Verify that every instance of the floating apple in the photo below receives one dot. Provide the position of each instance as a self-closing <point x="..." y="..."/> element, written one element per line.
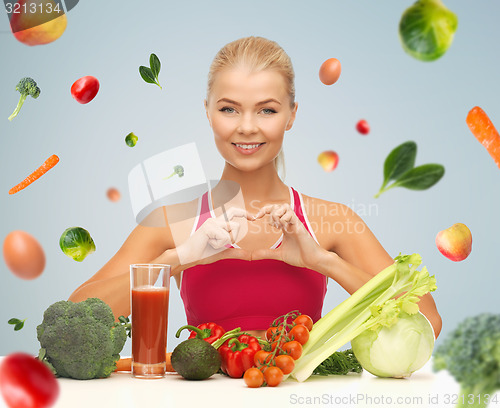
<point x="38" y="22"/>
<point x="328" y="160"/>
<point x="455" y="242"/>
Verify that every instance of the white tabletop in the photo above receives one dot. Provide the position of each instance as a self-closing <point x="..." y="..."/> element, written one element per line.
<point x="423" y="389"/>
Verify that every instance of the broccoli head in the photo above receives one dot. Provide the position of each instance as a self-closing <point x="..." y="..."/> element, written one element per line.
<point x="178" y="169"/>
<point x="81" y="340"/>
<point x="26" y="86"/>
<point x="471" y="354"/>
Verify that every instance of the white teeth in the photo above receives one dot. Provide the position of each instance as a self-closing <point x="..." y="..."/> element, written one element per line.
<point x="248" y="147"/>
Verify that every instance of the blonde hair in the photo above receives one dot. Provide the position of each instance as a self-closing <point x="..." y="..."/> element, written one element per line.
<point x="256" y="54"/>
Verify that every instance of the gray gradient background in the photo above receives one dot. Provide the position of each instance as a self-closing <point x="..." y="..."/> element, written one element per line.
<point x="402" y="99"/>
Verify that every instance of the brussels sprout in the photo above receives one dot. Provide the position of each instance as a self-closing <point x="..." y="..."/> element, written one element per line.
<point x="77" y="243"/>
<point x="131" y="139"/>
<point x="426" y="29"/>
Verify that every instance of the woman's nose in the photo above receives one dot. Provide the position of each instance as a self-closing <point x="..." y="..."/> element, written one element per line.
<point x="247" y="124"/>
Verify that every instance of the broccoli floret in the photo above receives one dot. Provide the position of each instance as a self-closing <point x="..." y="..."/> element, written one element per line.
<point x="471" y="353"/>
<point x="81" y="340"/>
<point x="179" y="170"/>
<point x="26" y="86"/>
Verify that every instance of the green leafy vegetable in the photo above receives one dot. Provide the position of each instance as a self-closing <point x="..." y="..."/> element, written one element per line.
<point x="155" y="65"/>
<point x="81" y="340"/>
<point x="339" y="363"/>
<point x="150" y="74"/>
<point x="471" y="354"/>
<point x="426" y="29"/>
<point x="398" y="167"/>
<point x="26" y="86"/>
<point x="131" y="139"/>
<point x="18" y="324"/>
<point x="179" y="170"/>
<point x="421" y="177"/>
<point x="371" y="306"/>
<point x="400" y="160"/>
<point x="77" y="243"/>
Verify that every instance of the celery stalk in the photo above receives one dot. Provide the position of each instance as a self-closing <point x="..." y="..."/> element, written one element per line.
<point x="371" y="305"/>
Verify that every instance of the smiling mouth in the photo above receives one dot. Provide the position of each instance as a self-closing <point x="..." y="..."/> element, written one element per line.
<point x="247" y="146"/>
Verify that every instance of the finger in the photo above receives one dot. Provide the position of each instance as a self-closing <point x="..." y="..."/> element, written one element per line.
<point x="264" y="210"/>
<point x="276" y="215"/>
<point x="218" y="238"/>
<point x="235" y="212"/>
<point x="266" y="254"/>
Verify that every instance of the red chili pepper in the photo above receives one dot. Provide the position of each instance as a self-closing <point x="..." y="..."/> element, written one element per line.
<point x="237" y="355"/>
<point x="206" y="331"/>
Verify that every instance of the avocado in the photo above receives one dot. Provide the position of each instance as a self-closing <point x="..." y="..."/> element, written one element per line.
<point x="195" y="359"/>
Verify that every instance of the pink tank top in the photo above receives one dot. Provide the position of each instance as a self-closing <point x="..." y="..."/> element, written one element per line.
<point x="250" y="294"/>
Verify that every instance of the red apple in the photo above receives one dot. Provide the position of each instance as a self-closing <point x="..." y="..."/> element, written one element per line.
<point x="328" y="160"/>
<point x="455" y="242"/>
<point x="38" y="22"/>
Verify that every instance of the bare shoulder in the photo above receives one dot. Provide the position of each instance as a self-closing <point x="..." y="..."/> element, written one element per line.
<point x="329" y="220"/>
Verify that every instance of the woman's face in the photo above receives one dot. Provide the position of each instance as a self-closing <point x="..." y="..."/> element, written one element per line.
<point x="249" y="113"/>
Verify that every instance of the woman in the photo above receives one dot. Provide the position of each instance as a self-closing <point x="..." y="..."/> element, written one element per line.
<point x="250" y="105"/>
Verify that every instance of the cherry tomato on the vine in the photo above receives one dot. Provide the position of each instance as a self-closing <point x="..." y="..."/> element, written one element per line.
<point x="299" y="333"/>
<point x="293" y="348"/>
<point x="285" y="363"/>
<point x="274" y="344"/>
<point x="271" y="331"/>
<point x="273" y="376"/>
<point x="26" y="381"/>
<point x="304" y="320"/>
<point x="253" y="377"/>
<point x="261" y="357"/>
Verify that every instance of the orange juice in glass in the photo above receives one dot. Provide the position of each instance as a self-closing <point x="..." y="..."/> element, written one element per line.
<point x="150" y="284"/>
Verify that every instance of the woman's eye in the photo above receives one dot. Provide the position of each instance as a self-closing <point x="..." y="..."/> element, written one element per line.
<point x="268" y="111"/>
<point x="227" y="109"/>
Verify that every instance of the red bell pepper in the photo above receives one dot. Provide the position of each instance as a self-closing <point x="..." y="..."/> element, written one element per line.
<point x="206" y="331"/>
<point x="237" y="355"/>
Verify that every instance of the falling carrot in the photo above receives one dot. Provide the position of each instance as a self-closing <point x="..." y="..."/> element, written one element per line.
<point x="44" y="168"/>
<point x="483" y="129"/>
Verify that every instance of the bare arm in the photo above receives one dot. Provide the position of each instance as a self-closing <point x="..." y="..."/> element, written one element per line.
<point x="112" y="282"/>
<point x="357" y="256"/>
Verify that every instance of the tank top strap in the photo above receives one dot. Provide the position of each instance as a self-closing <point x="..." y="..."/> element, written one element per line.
<point x="204" y="211"/>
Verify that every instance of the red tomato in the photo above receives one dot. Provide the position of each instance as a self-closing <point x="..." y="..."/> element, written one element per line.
<point x="285" y="363"/>
<point x="304" y="320"/>
<point x="363" y="127"/>
<point x="299" y="333"/>
<point x="27" y="382"/>
<point x="261" y="357"/>
<point x="272" y="331"/>
<point x="293" y="348"/>
<point x="273" y="376"/>
<point x="85" y="89"/>
<point x="253" y="378"/>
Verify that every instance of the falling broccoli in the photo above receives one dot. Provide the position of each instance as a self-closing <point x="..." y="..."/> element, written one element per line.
<point x="179" y="170"/>
<point x="26" y="86"/>
<point x="471" y="354"/>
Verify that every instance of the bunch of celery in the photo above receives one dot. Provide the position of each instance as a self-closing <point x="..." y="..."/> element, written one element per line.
<point x="373" y="304"/>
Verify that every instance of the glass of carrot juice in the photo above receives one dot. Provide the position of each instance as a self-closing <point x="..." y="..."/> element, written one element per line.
<point x="150" y="285"/>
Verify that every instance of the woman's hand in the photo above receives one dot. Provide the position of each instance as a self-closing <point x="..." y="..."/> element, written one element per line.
<point x="298" y="247"/>
<point x="213" y="239"/>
